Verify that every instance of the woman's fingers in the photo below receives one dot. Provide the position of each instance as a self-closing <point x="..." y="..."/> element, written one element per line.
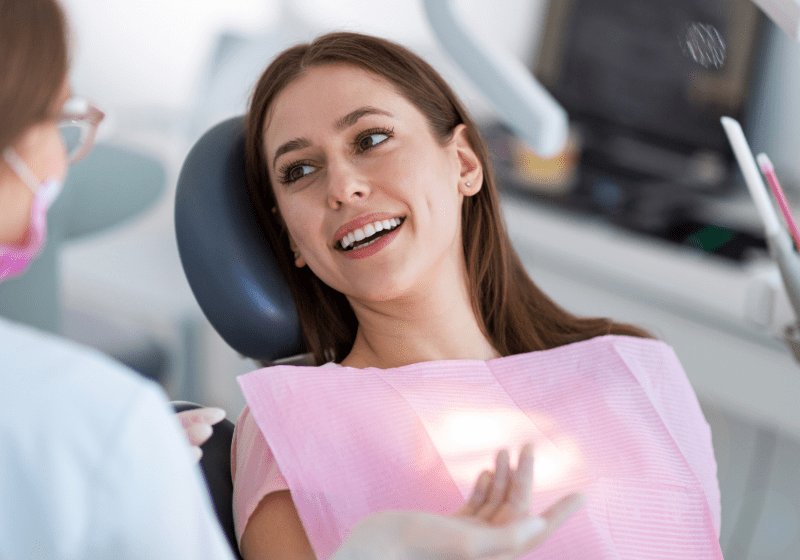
<point x="498" y="492"/>
<point x="198" y="433"/>
<point x="197" y="453"/>
<point x="522" y="481"/>
<point x="504" y="494"/>
<point x="478" y="496"/>
<point x="207" y="415"/>
<point x="517" y="502"/>
<point x="197" y="424"/>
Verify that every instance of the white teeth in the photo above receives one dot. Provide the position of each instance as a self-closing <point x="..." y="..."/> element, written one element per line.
<point x="368" y="231"/>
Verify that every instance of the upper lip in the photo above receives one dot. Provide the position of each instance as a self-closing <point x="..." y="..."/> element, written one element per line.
<point x="360" y="223"/>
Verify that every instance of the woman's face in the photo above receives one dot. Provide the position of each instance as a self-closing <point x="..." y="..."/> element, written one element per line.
<point x="43" y="151"/>
<point x="350" y="160"/>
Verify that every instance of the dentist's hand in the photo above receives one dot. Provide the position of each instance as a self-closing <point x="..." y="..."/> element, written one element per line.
<point x="197" y="426"/>
<point x="494" y="523"/>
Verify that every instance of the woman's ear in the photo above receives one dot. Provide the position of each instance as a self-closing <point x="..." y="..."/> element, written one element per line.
<point x="470" y="168"/>
<point x="299" y="261"/>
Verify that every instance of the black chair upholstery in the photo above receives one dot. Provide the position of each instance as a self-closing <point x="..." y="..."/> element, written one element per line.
<point x="216" y="467"/>
<point x="234" y="277"/>
<point x="224" y="254"/>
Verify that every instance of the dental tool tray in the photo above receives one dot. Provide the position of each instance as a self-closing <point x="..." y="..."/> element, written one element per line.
<point x="651" y="154"/>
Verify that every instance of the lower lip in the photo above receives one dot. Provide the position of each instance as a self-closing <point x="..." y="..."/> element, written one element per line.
<point x="370" y="250"/>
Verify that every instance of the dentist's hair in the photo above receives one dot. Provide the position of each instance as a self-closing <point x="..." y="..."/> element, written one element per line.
<point x="33" y="64"/>
<point x="513" y="312"/>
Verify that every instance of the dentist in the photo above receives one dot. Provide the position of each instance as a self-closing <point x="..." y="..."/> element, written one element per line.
<point x="92" y="461"/>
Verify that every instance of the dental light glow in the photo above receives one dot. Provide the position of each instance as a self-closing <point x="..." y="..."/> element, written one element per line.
<point x="469" y="438"/>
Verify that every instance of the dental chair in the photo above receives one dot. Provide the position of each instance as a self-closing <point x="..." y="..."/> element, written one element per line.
<point x="234" y="277"/>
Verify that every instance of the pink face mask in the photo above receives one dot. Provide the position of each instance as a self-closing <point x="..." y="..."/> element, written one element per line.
<point x="15" y="259"/>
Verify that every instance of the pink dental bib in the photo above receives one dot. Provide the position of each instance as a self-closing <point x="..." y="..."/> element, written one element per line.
<point x="613" y="417"/>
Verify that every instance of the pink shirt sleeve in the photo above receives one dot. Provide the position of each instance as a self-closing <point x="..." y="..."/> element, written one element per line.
<point x="254" y="470"/>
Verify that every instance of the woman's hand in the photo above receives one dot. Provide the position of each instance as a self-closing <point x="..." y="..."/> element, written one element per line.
<point x="494" y="523"/>
<point x="197" y="426"/>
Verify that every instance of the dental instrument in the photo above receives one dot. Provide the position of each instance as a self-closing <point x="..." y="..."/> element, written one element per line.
<point x="778" y="240"/>
<point x="765" y="164"/>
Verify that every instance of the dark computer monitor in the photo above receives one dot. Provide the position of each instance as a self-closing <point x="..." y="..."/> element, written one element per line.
<point x="653" y="153"/>
<point x="623" y="68"/>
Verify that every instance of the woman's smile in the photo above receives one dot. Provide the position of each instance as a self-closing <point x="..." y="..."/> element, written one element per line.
<point x="365" y="231"/>
<point x="375" y="239"/>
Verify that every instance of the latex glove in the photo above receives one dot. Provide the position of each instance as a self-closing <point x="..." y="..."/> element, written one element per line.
<point x="197" y="426"/>
<point x="494" y="523"/>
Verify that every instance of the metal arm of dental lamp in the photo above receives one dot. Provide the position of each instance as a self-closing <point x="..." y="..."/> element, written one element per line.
<point x="522" y="101"/>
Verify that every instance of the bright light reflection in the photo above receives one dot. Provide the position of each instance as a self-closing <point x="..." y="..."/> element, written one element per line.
<point x="468" y="441"/>
<point x="469" y="431"/>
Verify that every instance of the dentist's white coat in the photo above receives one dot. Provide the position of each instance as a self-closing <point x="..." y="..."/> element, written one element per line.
<point x="93" y="463"/>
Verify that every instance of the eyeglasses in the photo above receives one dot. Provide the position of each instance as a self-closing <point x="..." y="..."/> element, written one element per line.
<point x="78" y="127"/>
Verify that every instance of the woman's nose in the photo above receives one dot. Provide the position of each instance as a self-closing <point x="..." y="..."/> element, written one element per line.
<point x="345" y="185"/>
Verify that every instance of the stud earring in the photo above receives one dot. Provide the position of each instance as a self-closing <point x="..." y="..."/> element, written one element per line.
<point x="469" y="184"/>
<point x="296" y="255"/>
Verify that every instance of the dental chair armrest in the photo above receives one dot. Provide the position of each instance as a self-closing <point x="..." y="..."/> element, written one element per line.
<point x="216" y="467"/>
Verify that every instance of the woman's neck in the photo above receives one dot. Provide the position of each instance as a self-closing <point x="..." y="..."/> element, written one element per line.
<point x="433" y="323"/>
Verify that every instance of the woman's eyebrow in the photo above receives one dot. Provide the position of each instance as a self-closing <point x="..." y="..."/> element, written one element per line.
<point x="290" y="146"/>
<point x="350" y="118"/>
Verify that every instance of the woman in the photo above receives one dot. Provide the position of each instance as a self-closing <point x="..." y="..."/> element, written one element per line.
<point x="92" y="464"/>
<point x="375" y="192"/>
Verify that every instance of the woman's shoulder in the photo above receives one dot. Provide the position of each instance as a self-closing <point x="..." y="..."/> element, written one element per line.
<point x="607" y="358"/>
<point x="628" y="344"/>
<point x="592" y="348"/>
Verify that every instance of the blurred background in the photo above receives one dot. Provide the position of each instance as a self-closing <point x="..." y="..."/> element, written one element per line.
<point x="643" y="217"/>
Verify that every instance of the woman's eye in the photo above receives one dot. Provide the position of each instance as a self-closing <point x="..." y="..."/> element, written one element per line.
<point x="372" y="140"/>
<point x="299" y="171"/>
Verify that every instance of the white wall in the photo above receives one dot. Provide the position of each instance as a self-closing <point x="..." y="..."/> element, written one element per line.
<point x="134" y="53"/>
<point x="151" y="54"/>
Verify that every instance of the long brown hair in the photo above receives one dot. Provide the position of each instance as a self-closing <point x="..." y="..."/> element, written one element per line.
<point x="33" y="64"/>
<point x="512" y="311"/>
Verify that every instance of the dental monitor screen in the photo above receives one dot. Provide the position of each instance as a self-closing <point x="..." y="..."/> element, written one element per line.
<point x="646" y="81"/>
